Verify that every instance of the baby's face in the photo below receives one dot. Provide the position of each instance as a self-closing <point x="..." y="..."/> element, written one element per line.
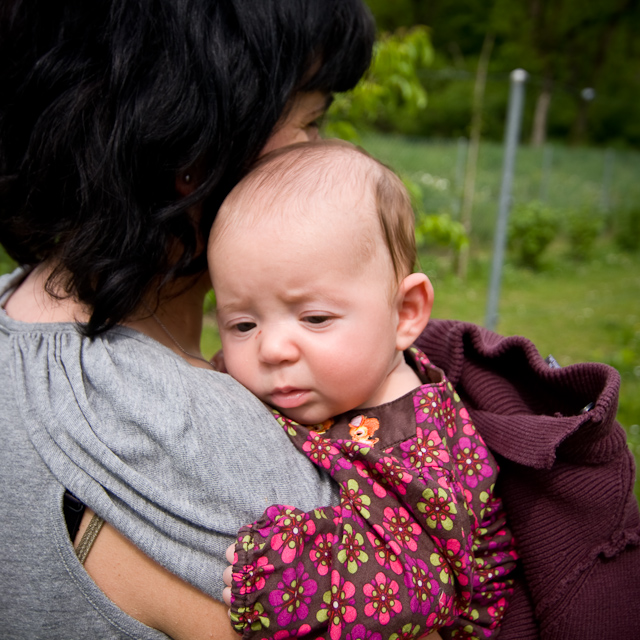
<point x="307" y="320"/>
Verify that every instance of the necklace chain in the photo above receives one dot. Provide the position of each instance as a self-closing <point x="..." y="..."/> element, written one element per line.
<point x="170" y="335"/>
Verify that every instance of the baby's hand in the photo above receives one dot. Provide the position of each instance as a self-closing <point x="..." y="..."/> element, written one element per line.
<point x="226" y="576"/>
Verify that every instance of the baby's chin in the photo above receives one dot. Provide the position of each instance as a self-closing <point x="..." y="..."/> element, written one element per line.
<point x="307" y="418"/>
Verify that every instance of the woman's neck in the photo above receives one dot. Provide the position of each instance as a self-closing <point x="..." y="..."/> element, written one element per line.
<point x="176" y="323"/>
<point x="31" y="302"/>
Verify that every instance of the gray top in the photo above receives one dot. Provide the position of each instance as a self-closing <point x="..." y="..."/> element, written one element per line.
<point x="175" y="457"/>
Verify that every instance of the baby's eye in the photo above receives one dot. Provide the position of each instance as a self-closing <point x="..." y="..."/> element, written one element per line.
<point x="316" y="319"/>
<point x="243" y="327"/>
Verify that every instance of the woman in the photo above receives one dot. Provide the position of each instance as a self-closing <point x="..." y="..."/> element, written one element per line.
<point x="123" y="125"/>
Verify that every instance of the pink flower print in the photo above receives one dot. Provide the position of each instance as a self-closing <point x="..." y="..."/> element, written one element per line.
<point x="381" y="598"/>
<point x="252" y="617"/>
<point x="253" y="576"/>
<point x="286" y="423"/>
<point x="496" y="611"/>
<point x="354" y="500"/>
<point x="421" y="359"/>
<point x="338" y="606"/>
<point x="247" y="542"/>
<point x="439" y="508"/>
<point x="421" y="585"/>
<point x="468" y="501"/>
<point x="468" y="427"/>
<point x="364" y="472"/>
<point x="291" y="597"/>
<point x="352" y="450"/>
<point x="390" y="473"/>
<point x="472" y="460"/>
<point x="459" y="557"/>
<point x="449" y="417"/>
<point x="387" y="552"/>
<point x="320" y="553"/>
<point x="402" y="527"/>
<point x="426" y="402"/>
<point x="425" y="450"/>
<point x="441" y="567"/>
<point x="319" y="450"/>
<point x="290" y="531"/>
<point x="408" y="632"/>
<point x="360" y="632"/>
<point x="283" y="634"/>
<point x="468" y="632"/>
<point x="439" y="619"/>
<point x="352" y="553"/>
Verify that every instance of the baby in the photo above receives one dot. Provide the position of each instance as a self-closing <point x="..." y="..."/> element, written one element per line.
<point x="311" y="259"/>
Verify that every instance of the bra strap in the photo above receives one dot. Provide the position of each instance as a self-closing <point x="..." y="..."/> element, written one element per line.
<point x="89" y="537"/>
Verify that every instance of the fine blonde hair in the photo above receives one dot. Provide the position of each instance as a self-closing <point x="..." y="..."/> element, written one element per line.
<point x="311" y="168"/>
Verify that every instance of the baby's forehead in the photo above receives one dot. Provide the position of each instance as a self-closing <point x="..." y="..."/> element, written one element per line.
<point x="297" y="186"/>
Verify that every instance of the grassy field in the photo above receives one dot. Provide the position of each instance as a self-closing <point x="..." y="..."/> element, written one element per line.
<point x="564" y="178"/>
<point x="577" y="311"/>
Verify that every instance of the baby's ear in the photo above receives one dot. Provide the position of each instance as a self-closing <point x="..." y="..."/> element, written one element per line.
<point x="415" y="301"/>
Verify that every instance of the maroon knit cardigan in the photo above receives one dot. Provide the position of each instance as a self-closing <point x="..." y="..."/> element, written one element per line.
<point x="566" y="479"/>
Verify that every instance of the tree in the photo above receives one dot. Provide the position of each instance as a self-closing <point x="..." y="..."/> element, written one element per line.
<point x="391" y="93"/>
<point x="565" y="45"/>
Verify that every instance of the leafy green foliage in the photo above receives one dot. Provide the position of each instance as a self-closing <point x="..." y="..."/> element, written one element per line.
<point x="565" y="45"/>
<point x="6" y="263"/>
<point x="582" y="229"/>
<point x="391" y="92"/>
<point x="532" y="228"/>
<point x="442" y="230"/>
<point x="436" y="229"/>
<point x="627" y="231"/>
<point x="209" y="302"/>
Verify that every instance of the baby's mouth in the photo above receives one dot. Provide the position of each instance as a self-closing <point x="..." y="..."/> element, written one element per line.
<point x="288" y="397"/>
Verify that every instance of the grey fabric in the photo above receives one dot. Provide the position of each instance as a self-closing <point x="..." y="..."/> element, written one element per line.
<point x="175" y="457"/>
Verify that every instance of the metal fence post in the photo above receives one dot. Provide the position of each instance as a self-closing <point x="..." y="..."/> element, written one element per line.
<point x="605" y="200"/>
<point x="512" y="135"/>
<point x="461" y="159"/>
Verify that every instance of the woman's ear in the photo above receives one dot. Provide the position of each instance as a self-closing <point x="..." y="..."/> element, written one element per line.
<point x="185" y="183"/>
<point x="415" y="301"/>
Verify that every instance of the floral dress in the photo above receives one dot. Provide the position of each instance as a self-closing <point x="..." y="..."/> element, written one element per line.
<point x="418" y="542"/>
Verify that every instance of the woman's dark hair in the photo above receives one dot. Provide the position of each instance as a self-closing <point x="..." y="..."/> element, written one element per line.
<point x="104" y="102"/>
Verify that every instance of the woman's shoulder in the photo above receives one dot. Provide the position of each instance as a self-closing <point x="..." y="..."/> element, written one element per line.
<point x="167" y="453"/>
<point x="122" y="382"/>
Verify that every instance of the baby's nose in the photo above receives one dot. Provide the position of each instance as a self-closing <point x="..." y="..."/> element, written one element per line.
<point x="276" y="346"/>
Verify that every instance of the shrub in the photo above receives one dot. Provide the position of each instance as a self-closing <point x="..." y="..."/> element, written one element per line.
<point x="582" y="228"/>
<point x="391" y="95"/>
<point x="438" y="229"/>
<point x="627" y="227"/>
<point x="532" y="227"/>
<point x="442" y="230"/>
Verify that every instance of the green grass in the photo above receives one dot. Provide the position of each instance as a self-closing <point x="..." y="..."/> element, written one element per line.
<point x="575" y="178"/>
<point x="576" y="312"/>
